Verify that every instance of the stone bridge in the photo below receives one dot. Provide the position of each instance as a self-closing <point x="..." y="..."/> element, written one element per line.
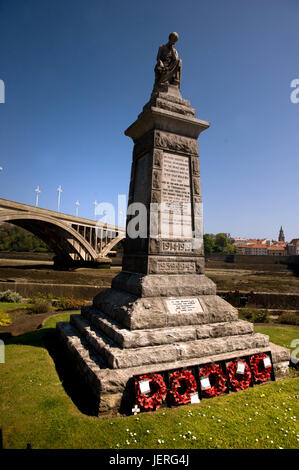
<point x="74" y="240"/>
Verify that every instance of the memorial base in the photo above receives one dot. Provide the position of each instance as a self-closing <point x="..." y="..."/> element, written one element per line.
<point x="123" y="335"/>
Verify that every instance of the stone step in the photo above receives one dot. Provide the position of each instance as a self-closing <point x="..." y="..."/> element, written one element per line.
<point x="118" y="358"/>
<point x="110" y="384"/>
<point x="158" y="336"/>
<point x="88" y="362"/>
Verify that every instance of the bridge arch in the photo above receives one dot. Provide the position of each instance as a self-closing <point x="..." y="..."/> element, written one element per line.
<point x="62" y="238"/>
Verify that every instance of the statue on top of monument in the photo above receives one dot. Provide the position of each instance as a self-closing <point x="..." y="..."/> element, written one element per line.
<point x="169" y="67"/>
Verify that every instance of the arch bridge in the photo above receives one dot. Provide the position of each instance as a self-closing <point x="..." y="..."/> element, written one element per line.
<point x="74" y="240"/>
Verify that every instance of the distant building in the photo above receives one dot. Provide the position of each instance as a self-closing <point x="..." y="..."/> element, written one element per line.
<point x="261" y="246"/>
<point x="252" y="249"/>
<point x="276" y="251"/>
<point x="293" y="247"/>
<point x="281" y="235"/>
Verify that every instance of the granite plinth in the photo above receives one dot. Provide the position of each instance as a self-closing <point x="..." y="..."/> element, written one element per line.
<point x="109" y="386"/>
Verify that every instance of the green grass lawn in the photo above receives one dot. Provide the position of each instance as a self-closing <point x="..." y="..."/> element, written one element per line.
<point x="6" y="306"/>
<point x="35" y="408"/>
<point x="279" y="334"/>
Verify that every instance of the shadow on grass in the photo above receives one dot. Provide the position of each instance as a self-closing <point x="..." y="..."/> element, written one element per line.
<point x="73" y="384"/>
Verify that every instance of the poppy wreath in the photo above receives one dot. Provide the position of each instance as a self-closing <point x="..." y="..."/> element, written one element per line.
<point x="176" y="380"/>
<point x="157" y="384"/>
<point x="260" y="372"/>
<point x="219" y="378"/>
<point x="246" y="377"/>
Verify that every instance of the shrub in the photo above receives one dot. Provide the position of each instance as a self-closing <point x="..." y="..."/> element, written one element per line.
<point x="261" y="316"/>
<point x="65" y="303"/>
<point x="246" y="314"/>
<point x="256" y="316"/>
<point x="4" y="319"/>
<point x="39" y="296"/>
<point x="41" y="306"/>
<point x="10" y="296"/>
<point x="289" y="318"/>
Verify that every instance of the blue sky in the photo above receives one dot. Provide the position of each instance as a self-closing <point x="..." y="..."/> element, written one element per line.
<point x="78" y="72"/>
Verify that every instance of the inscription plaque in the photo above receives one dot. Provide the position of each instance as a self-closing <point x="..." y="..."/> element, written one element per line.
<point x="184" y="305"/>
<point x="176" y="219"/>
<point x="175" y="267"/>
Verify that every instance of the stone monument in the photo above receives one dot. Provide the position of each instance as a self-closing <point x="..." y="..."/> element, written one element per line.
<point x="161" y="311"/>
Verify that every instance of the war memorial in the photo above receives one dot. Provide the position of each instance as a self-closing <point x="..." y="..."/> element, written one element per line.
<point x="160" y="335"/>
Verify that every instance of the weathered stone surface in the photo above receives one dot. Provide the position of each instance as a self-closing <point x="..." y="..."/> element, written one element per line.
<point x="117" y="358"/>
<point x="152" y="337"/>
<point x="279" y="354"/>
<point x="178" y="247"/>
<point x="139" y="313"/>
<point x="114" y="381"/>
<point x="174" y="265"/>
<point x="281" y="369"/>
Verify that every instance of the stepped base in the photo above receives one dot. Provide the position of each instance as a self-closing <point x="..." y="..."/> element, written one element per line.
<point x="111" y="342"/>
<point x="109" y="386"/>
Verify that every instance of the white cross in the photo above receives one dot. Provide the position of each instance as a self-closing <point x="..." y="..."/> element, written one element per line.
<point x="59" y="194"/>
<point x="37" y="190"/>
<point x="77" y="203"/>
<point x="135" y="410"/>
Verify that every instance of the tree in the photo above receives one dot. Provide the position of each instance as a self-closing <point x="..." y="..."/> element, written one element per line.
<point x="208" y="240"/>
<point x="221" y="243"/>
<point x="14" y="238"/>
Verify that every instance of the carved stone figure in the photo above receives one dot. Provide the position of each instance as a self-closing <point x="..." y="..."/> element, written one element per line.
<point x="169" y="66"/>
